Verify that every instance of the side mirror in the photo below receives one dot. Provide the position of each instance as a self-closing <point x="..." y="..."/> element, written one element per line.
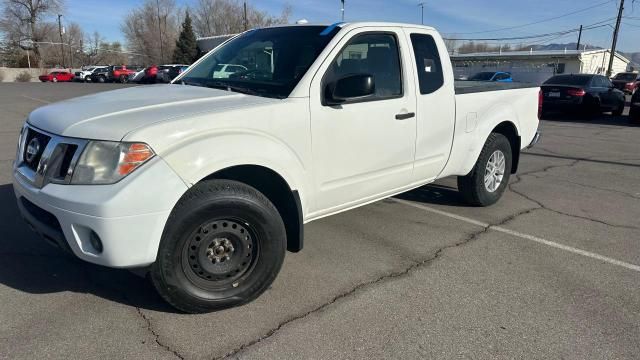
<point x="349" y="88"/>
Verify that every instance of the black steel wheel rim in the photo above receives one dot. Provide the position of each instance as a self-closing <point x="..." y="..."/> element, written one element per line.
<point x="220" y="253"/>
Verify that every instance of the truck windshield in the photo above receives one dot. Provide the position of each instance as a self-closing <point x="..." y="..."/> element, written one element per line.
<point x="265" y="62"/>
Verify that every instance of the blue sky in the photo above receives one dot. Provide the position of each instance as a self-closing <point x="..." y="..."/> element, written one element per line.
<point x="461" y="17"/>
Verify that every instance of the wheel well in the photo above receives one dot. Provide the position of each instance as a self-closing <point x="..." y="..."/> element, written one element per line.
<point x="276" y="189"/>
<point x="508" y="129"/>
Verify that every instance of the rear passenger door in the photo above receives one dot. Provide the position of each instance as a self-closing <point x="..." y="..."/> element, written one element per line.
<point x="435" y="102"/>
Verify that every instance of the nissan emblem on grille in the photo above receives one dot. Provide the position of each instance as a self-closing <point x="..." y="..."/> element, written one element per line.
<point x="33" y="148"/>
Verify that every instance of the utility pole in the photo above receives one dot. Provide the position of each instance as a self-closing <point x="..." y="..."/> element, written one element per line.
<point x="246" y="24"/>
<point x="342" y="9"/>
<point x="61" y="42"/>
<point x="615" y="38"/>
<point x="160" y="31"/>
<point x="579" y="38"/>
<point x="422" y="15"/>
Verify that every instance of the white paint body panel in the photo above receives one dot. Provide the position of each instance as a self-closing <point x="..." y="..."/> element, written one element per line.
<point x="336" y="158"/>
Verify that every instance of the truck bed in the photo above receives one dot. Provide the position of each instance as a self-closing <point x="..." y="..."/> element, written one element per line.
<point x="470" y="87"/>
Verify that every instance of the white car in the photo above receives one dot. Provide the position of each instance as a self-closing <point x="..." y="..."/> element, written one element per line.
<point x="209" y="180"/>
<point x="85" y="75"/>
<point x="224" y="71"/>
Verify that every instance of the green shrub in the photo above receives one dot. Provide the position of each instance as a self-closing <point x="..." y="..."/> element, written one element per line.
<point x="24" y="76"/>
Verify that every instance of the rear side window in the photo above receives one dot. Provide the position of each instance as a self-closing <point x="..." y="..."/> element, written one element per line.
<point x="428" y="63"/>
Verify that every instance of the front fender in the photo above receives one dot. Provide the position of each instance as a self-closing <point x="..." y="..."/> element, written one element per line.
<point x="198" y="157"/>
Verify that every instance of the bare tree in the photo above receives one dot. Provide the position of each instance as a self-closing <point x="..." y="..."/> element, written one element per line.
<point x="23" y="22"/>
<point x="152" y="30"/>
<point x="218" y="17"/>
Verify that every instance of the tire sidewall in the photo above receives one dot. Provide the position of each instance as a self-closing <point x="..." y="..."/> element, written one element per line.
<point x="270" y="235"/>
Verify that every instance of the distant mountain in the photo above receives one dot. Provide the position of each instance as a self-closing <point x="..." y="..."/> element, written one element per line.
<point x="568" y="46"/>
<point x="634" y="57"/>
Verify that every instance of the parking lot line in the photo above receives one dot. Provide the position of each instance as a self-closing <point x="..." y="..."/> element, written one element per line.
<point x="36" y="99"/>
<point x="523" y="235"/>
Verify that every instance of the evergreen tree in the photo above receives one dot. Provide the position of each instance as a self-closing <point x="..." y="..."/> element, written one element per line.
<point x="186" y="51"/>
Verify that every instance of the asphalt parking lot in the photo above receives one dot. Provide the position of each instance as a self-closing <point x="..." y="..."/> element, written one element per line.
<point x="552" y="271"/>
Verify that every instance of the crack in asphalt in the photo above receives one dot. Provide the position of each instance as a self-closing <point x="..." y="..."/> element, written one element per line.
<point x="519" y="177"/>
<point x="156" y="336"/>
<point x="387" y="277"/>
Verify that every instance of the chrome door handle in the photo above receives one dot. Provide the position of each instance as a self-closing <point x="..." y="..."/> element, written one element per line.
<point x="405" y="116"/>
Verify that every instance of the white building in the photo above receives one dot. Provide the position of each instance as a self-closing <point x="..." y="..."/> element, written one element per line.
<point x="538" y="66"/>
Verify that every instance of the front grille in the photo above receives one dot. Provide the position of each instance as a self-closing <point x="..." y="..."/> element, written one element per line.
<point x="47" y="158"/>
<point x="31" y="158"/>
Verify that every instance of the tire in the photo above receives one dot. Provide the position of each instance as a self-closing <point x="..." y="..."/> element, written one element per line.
<point x="213" y="220"/>
<point x="619" y="110"/>
<point x="101" y="79"/>
<point x="123" y="79"/>
<point x="473" y="187"/>
<point x="55" y="79"/>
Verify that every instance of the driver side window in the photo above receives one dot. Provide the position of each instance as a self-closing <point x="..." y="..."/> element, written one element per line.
<point x="374" y="54"/>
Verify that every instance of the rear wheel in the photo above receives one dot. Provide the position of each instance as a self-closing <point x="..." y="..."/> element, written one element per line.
<point x="488" y="179"/>
<point x="619" y="109"/>
<point x="55" y="79"/>
<point x="123" y="79"/>
<point x="223" y="246"/>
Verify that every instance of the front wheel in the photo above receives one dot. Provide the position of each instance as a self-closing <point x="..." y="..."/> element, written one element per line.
<point x="55" y="80"/>
<point x="123" y="79"/>
<point x="222" y="246"/>
<point x="489" y="178"/>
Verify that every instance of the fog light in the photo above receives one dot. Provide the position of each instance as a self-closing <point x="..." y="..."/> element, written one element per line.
<point x="95" y="241"/>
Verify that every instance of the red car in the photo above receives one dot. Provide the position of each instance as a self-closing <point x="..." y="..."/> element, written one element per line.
<point x="627" y="82"/>
<point x="120" y="73"/>
<point x="56" y="76"/>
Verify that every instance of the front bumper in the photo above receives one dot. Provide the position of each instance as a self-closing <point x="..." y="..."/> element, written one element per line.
<point x="128" y="217"/>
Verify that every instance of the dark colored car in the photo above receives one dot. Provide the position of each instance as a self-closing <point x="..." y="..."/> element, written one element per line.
<point x="495" y="76"/>
<point x="634" y="112"/>
<point x="56" y="76"/>
<point x="100" y="75"/>
<point x="166" y="73"/>
<point x="627" y="82"/>
<point x="585" y="94"/>
<point x="177" y="70"/>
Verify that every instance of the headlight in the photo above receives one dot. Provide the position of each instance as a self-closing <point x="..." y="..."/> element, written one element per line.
<point x="107" y="162"/>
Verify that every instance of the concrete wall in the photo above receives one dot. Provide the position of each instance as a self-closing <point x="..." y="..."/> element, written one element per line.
<point x="9" y="74"/>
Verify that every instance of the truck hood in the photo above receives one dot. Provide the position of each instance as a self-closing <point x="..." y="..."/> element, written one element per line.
<point x="111" y="115"/>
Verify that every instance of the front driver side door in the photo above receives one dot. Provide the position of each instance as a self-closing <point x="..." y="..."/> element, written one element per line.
<point x="363" y="149"/>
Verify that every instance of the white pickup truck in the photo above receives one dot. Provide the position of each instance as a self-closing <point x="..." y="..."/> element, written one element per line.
<point x="208" y="181"/>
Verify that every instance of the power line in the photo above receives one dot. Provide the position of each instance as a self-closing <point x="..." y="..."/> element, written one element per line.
<point x="530" y="36"/>
<point x="539" y="21"/>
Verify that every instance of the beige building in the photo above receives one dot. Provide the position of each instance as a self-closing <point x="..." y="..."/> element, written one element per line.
<point x="537" y="66"/>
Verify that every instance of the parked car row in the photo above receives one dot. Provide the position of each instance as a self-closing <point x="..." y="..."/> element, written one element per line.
<point x="119" y="73"/>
